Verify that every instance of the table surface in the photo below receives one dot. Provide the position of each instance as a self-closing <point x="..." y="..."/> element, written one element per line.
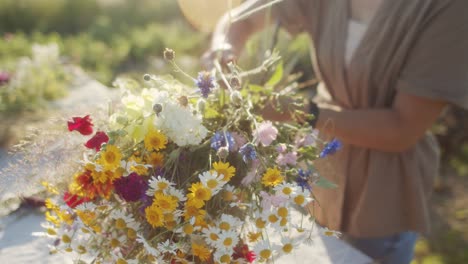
<point x="18" y="246"/>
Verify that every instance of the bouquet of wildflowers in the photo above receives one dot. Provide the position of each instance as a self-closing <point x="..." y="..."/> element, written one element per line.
<point x="181" y="174"/>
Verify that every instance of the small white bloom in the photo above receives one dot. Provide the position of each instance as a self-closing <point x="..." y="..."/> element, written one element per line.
<point x="286" y="189"/>
<point x="149" y="249"/>
<point x="211" y="235"/>
<point x="301" y="197"/>
<point x="331" y="233"/>
<point x="263" y="250"/>
<point x="212" y="181"/>
<point x="167" y="247"/>
<point x="158" y="184"/>
<point x="229" y="222"/>
<point x="227" y="240"/>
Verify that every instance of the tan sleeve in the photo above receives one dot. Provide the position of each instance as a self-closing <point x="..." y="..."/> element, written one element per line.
<point x="437" y="66"/>
<point x="296" y="15"/>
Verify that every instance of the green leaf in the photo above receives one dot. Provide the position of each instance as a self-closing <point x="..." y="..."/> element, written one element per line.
<point x="326" y="184"/>
<point x="210" y="113"/>
<point x="277" y="75"/>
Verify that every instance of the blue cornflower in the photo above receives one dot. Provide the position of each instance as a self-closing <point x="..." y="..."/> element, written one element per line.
<point x="303" y="179"/>
<point x="248" y="152"/>
<point x="331" y="148"/>
<point x="222" y="139"/>
<point x="205" y="82"/>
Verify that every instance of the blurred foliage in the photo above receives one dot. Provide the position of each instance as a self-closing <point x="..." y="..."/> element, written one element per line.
<point x="105" y="37"/>
<point x="33" y="81"/>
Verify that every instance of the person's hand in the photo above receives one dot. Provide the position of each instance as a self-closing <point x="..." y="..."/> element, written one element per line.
<point x="223" y="55"/>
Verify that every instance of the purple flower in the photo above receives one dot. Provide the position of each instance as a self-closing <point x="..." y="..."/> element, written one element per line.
<point x="205" y="82"/>
<point x="331" y="148"/>
<point x="222" y="139"/>
<point x="248" y="152"/>
<point x="303" y="179"/>
<point x="4" y="78"/>
<point x="131" y="188"/>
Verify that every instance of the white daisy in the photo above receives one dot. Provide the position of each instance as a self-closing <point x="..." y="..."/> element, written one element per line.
<point x="286" y="189"/>
<point x="301" y="197"/>
<point x="167" y="247"/>
<point x="229" y="222"/>
<point x="288" y="244"/>
<point x="264" y="251"/>
<point x="158" y="184"/>
<point x="211" y="235"/>
<point x="212" y="181"/>
<point x="222" y="256"/>
<point x="331" y="233"/>
<point x="149" y="249"/>
<point x="227" y="240"/>
<point x="176" y="193"/>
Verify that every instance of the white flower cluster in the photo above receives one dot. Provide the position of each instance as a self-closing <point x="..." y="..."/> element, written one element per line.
<point x="178" y="122"/>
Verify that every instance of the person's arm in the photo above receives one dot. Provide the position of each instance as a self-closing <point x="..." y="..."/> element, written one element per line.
<point x="393" y="130"/>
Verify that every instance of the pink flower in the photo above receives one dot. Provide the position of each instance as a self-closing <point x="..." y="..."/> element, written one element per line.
<point x="281" y="148"/>
<point x="253" y="174"/>
<point x="82" y="125"/>
<point x="97" y="140"/>
<point x="289" y="158"/>
<point x="266" y="133"/>
<point x="272" y="200"/>
<point x="308" y="139"/>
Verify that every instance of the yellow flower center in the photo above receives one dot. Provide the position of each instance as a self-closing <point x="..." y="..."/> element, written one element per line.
<point x="283" y="222"/>
<point x="225" y="259"/>
<point x="287" y="190"/>
<point x="265" y="254"/>
<point x="120" y="224"/>
<point x="272" y="218"/>
<point x="162" y="185"/>
<point x="224" y="226"/>
<point x="283" y="211"/>
<point x="214" y="236"/>
<point x="299" y="200"/>
<point x="259" y="223"/>
<point x="227" y="242"/>
<point x="131" y="234"/>
<point x="287" y="248"/>
<point x="188" y="229"/>
<point x="115" y="243"/>
<point x="212" y="183"/>
<point x="66" y="239"/>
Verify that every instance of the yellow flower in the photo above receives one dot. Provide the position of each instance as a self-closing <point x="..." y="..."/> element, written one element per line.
<point x="139" y="169"/>
<point x="199" y="192"/>
<point x="154" y="216"/>
<point x="110" y="157"/>
<point x="155" y="140"/>
<point x="272" y="177"/>
<point x="201" y="251"/>
<point x="167" y="203"/>
<point x="192" y="211"/>
<point x="224" y="168"/>
<point x="254" y="237"/>
<point x="155" y="159"/>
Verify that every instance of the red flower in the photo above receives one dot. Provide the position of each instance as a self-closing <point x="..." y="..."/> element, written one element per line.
<point x="82" y="125"/>
<point x="73" y="200"/>
<point x="97" y="140"/>
<point x="242" y="252"/>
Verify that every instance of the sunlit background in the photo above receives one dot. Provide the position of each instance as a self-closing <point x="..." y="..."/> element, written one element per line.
<point x="41" y="39"/>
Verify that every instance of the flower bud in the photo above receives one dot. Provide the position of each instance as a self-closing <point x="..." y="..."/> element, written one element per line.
<point x="157" y="108"/>
<point x="169" y="54"/>
<point x="223" y="152"/>
<point x="236" y="98"/>
<point x="183" y="100"/>
<point x="147" y="77"/>
<point x="235" y="82"/>
<point x="201" y="104"/>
